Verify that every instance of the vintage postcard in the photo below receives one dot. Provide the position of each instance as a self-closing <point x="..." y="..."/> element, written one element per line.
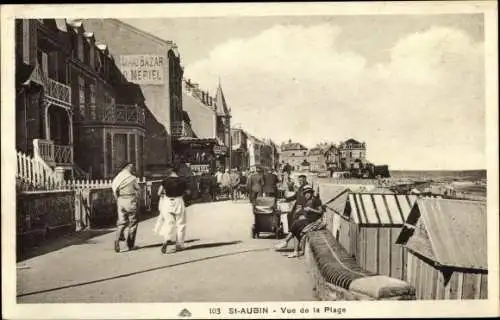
<point x="264" y="160"/>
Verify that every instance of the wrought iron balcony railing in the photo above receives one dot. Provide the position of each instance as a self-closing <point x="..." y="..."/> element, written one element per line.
<point x="53" y="89"/>
<point x="53" y="154"/>
<point x="115" y="114"/>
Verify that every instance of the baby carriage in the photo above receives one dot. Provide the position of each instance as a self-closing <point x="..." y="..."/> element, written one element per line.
<point x="267" y="218"/>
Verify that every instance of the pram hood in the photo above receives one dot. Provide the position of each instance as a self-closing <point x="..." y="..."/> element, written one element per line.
<point x="264" y="205"/>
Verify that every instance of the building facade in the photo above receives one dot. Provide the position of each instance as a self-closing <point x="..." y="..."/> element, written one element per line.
<point x="332" y="158"/>
<point x="153" y="65"/>
<point x="223" y="129"/>
<point x="74" y="109"/>
<point x="44" y="108"/>
<point x="110" y="111"/>
<point x="239" y="156"/>
<point x="293" y="153"/>
<point x="316" y="159"/>
<point x="352" y="154"/>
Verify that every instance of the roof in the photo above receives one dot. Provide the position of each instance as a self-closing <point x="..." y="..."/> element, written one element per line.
<point x="352" y="141"/>
<point x="456" y="232"/>
<point x="293" y="146"/>
<point x="316" y="151"/>
<point x="196" y="140"/>
<point x="333" y="196"/>
<point x="220" y="103"/>
<point x="380" y="209"/>
<point x="202" y="117"/>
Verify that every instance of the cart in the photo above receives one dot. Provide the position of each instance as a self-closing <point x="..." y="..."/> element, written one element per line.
<point x="267" y="217"/>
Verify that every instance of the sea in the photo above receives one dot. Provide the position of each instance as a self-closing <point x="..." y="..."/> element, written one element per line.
<point x="462" y="175"/>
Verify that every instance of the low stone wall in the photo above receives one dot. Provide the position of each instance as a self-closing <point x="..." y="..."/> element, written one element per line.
<point x="41" y="213"/>
<point x="336" y="276"/>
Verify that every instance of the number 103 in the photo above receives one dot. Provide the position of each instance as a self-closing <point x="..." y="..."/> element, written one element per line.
<point x="214" y="310"/>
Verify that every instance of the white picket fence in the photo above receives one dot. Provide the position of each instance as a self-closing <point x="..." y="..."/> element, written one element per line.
<point x="34" y="174"/>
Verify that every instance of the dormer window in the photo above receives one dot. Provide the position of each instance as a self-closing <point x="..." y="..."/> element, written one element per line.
<point x="80" y="48"/>
<point x="92" y="57"/>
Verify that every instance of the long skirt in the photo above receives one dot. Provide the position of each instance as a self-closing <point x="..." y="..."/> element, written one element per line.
<point x="171" y="222"/>
<point x="301" y="226"/>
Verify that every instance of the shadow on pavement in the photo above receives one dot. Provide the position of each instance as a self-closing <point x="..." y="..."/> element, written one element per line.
<point x="140" y="272"/>
<point x="157" y="245"/>
<point x="58" y="242"/>
<point x="211" y="245"/>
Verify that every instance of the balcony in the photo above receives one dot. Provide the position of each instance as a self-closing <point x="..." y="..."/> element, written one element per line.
<point x="54" y="91"/>
<point x="181" y="129"/>
<point x="119" y="114"/>
<point x="53" y="154"/>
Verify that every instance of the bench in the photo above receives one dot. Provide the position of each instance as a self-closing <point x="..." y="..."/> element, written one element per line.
<point x="337" y="276"/>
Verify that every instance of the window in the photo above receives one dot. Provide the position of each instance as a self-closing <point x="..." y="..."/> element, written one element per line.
<point x="80" y="48"/>
<point x="305" y="153"/>
<point x="293" y="154"/>
<point x="53" y="65"/>
<point x="92" y="102"/>
<point x="81" y="99"/>
<point x="92" y="57"/>
<point x="43" y="61"/>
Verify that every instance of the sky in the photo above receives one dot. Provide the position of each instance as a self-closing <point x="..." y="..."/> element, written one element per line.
<point x="410" y="86"/>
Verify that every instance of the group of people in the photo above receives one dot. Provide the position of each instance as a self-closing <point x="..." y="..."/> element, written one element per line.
<point x="307" y="212"/>
<point x="305" y="216"/>
<point x="171" y="221"/>
<point x="230" y="183"/>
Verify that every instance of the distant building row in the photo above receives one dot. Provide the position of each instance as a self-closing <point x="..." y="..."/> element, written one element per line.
<point x="347" y="155"/>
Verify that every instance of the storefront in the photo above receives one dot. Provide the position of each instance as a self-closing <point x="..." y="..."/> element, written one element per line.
<point x="201" y="154"/>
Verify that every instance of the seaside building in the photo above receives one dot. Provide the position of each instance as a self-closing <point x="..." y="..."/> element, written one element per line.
<point x="240" y="155"/>
<point x="293" y="153"/>
<point x="352" y="154"/>
<point x="223" y="129"/>
<point x="75" y="111"/>
<point x="316" y="159"/>
<point x="153" y="65"/>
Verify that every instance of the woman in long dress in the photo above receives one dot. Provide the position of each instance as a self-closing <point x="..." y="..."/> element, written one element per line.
<point x="309" y="218"/>
<point x="171" y="221"/>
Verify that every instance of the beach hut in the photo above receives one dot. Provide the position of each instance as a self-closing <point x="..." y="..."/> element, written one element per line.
<point x="447" y="249"/>
<point x="334" y="198"/>
<point x="367" y="226"/>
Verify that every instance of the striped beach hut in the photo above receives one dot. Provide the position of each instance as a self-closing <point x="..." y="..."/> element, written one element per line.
<point x="368" y="227"/>
<point x="447" y="249"/>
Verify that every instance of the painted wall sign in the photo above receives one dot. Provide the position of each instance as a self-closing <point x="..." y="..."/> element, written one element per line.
<point x="220" y="150"/>
<point x="143" y="68"/>
<point x="200" y="167"/>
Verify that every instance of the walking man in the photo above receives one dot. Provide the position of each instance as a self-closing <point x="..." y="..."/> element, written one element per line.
<point x="255" y="184"/>
<point x="126" y="192"/>
<point x="235" y="181"/>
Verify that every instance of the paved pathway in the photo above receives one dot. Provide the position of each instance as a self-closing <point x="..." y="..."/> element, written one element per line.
<point x="223" y="263"/>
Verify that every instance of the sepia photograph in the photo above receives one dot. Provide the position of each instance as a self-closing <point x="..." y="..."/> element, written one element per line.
<point x="230" y="163"/>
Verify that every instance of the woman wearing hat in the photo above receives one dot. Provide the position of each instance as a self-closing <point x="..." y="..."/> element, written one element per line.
<point x="309" y="218"/>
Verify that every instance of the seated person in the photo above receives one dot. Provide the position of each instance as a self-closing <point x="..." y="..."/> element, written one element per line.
<point x="309" y="218"/>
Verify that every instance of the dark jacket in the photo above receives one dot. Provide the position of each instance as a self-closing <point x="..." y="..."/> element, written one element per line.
<point x="298" y="197"/>
<point x="255" y="182"/>
<point x="270" y="183"/>
<point x="174" y="186"/>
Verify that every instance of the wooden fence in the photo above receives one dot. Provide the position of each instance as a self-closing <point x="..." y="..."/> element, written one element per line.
<point x="35" y="174"/>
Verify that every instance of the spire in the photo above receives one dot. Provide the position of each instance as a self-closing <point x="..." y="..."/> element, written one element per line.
<point x="220" y="102"/>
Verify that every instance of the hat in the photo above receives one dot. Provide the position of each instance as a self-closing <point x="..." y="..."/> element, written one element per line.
<point x="307" y="188"/>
